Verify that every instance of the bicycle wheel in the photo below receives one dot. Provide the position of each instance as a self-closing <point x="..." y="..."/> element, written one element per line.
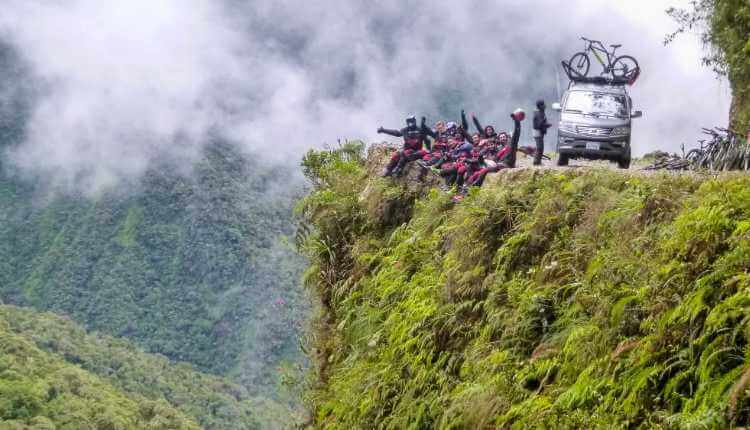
<point x="693" y="157"/>
<point x="624" y="67"/>
<point x="580" y="64"/>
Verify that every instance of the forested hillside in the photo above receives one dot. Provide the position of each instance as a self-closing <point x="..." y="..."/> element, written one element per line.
<point x="188" y="261"/>
<point x="546" y="299"/>
<point x="192" y="266"/>
<point x="54" y="375"/>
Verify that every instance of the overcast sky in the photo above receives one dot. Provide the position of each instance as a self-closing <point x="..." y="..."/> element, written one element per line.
<point x="119" y="84"/>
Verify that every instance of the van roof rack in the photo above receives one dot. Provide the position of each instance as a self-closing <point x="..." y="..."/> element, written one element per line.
<point x="599" y="80"/>
<point x="576" y="77"/>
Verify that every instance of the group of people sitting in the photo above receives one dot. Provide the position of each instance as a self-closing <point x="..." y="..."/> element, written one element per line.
<point x="460" y="158"/>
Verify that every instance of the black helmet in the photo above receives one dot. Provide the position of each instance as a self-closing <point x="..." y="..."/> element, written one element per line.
<point x="540" y="104"/>
<point x="411" y="119"/>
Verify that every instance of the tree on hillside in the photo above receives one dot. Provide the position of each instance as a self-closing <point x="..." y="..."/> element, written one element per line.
<point x="724" y="28"/>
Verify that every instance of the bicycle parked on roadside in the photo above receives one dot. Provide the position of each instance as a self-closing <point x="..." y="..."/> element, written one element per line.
<point x="623" y="67"/>
<point x="725" y="150"/>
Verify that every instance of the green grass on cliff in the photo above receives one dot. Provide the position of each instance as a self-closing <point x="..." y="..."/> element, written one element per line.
<point x="548" y="299"/>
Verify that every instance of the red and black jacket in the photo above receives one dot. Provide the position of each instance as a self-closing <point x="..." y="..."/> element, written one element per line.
<point x="414" y="138"/>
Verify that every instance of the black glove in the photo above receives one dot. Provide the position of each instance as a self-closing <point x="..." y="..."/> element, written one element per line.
<point x="380" y="129"/>
<point x="424" y="121"/>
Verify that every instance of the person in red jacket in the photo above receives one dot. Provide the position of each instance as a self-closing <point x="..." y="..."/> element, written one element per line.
<point x="503" y="155"/>
<point x="446" y="143"/>
<point x="455" y="164"/>
<point x="470" y="162"/>
<point x="415" y="140"/>
<point x="439" y="148"/>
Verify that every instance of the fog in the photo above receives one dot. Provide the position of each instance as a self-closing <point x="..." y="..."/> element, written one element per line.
<point x="117" y="85"/>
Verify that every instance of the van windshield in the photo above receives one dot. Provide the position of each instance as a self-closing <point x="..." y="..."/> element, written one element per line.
<point x="596" y="104"/>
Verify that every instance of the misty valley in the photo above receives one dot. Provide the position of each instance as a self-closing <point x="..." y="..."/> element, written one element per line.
<point x="256" y="214"/>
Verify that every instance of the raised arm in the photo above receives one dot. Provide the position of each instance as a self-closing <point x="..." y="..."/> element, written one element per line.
<point x="394" y="133"/>
<point x="464" y="123"/>
<point x="466" y="135"/>
<point x="479" y="127"/>
<point x="514" y="141"/>
<point x="516" y="133"/>
<point x="427" y="131"/>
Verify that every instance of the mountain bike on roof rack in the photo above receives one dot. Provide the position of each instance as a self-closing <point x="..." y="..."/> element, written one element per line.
<point x="623" y="67"/>
<point x="576" y="77"/>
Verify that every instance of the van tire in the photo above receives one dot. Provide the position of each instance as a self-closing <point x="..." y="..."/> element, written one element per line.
<point x="624" y="161"/>
<point x="562" y="160"/>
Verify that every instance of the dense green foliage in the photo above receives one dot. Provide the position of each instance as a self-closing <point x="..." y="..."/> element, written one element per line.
<point x="40" y="390"/>
<point x="211" y="401"/>
<point x="547" y="299"/>
<point x="189" y="261"/>
<point x="730" y="32"/>
<point x="192" y="266"/>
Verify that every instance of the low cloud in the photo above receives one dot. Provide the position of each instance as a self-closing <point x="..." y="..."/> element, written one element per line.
<point x="117" y="86"/>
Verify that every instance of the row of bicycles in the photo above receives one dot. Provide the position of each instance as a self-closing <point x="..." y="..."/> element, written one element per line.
<point x="723" y="150"/>
<point x="622" y="69"/>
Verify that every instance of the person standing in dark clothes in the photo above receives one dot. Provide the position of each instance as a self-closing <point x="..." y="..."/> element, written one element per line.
<point x="415" y="140"/>
<point x="540" y="130"/>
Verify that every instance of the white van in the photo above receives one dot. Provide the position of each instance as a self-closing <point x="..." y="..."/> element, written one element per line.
<point x="595" y="123"/>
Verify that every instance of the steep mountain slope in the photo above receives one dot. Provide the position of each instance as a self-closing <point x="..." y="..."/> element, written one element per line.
<point x="189" y="261"/>
<point x="548" y="299"/>
<point x="192" y="266"/>
<point x="54" y="375"/>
